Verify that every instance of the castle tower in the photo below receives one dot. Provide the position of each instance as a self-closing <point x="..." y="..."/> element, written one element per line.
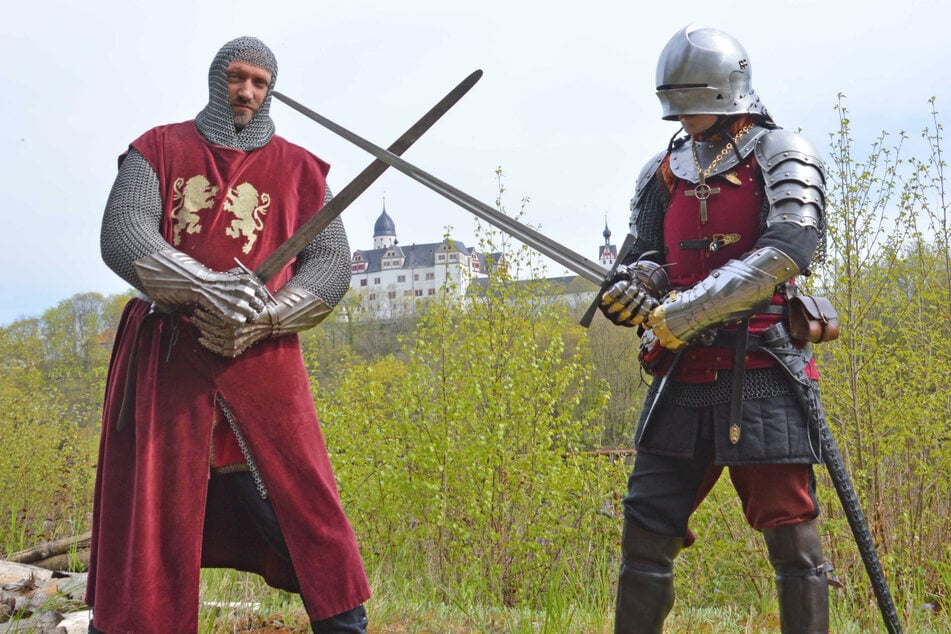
<point x="607" y="253"/>
<point x="384" y="230"/>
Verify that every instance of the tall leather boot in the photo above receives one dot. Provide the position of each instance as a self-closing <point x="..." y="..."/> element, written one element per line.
<point x="645" y="591"/>
<point x="353" y="621"/>
<point x="796" y="555"/>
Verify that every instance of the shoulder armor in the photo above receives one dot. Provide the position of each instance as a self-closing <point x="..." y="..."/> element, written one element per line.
<point x="684" y="166"/>
<point x="794" y="178"/>
<point x="643" y="180"/>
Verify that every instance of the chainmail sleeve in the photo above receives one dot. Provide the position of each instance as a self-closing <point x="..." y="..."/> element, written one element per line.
<point x="323" y="267"/>
<point x="647" y="221"/>
<point x="131" y="223"/>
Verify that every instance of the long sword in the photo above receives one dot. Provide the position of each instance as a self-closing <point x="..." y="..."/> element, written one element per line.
<point x="319" y="221"/>
<point x="559" y="253"/>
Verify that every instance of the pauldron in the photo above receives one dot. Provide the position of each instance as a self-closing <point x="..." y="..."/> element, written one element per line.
<point x="794" y="178"/>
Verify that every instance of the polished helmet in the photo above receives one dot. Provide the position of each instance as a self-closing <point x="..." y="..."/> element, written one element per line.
<point x="705" y="71"/>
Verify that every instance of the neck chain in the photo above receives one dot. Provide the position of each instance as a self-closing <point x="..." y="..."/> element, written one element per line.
<point x="703" y="191"/>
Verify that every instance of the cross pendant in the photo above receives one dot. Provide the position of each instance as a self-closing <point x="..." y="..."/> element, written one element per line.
<point x="702" y="191"/>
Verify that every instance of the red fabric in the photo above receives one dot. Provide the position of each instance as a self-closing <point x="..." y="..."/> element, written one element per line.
<point x="735" y="209"/>
<point x="152" y="486"/>
<point x="773" y="495"/>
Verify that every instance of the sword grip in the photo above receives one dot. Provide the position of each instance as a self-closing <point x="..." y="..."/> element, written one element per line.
<point x="626" y="248"/>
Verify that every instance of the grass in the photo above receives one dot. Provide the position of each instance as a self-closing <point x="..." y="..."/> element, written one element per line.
<point x="391" y="611"/>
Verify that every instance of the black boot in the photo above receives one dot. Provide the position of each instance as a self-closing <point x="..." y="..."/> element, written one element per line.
<point x="645" y="591"/>
<point x="796" y="555"/>
<point x="353" y="621"/>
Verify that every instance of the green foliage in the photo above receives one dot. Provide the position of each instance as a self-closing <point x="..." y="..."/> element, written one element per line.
<point x="886" y="378"/>
<point x="464" y="435"/>
<point x="467" y="461"/>
<point x="52" y="373"/>
<point x="46" y="469"/>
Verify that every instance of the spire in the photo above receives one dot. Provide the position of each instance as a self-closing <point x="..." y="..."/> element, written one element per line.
<point x="607" y="232"/>
<point x="384" y="230"/>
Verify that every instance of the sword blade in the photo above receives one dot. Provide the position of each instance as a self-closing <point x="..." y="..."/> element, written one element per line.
<point x="541" y="243"/>
<point x="319" y="221"/>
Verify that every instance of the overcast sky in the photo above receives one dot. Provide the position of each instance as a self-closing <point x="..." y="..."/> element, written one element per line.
<point x="566" y="106"/>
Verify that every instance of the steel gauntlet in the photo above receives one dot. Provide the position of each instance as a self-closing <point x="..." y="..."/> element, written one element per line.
<point x="292" y="310"/>
<point x="175" y="280"/>
<point x="730" y="293"/>
<point x="637" y="289"/>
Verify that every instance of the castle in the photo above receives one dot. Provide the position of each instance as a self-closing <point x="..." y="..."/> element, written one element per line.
<point x="390" y="277"/>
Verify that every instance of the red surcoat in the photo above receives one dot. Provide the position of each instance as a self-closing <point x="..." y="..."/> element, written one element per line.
<point x="733" y="218"/>
<point x="153" y="486"/>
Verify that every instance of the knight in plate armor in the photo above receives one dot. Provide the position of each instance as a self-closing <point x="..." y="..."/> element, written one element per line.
<point x="732" y="211"/>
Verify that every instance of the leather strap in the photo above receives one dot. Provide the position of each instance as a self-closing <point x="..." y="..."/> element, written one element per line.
<point x="739" y="378"/>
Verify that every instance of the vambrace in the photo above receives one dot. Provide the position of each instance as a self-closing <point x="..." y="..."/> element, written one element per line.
<point x="732" y="292"/>
<point x="174" y="280"/>
<point x="292" y="310"/>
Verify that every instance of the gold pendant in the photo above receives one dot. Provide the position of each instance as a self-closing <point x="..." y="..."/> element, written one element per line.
<point x="734" y="433"/>
<point x="732" y="178"/>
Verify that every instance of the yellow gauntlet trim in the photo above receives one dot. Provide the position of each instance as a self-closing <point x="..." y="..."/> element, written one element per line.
<point x="658" y="323"/>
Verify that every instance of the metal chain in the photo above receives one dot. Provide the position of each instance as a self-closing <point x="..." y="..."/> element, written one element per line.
<point x="726" y="150"/>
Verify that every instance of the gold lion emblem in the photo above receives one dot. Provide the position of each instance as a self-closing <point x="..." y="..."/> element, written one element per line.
<point x="248" y="207"/>
<point x="189" y="198"/>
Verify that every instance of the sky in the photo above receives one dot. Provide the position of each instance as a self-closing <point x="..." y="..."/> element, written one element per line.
<point x="566" y="106"/>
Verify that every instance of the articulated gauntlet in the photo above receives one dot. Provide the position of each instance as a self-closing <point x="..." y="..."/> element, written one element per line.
<point x="636" y="290"/>
<point x="292" y="310"/>
<point x="732" y="292"/>
<point x="176" y="281"/>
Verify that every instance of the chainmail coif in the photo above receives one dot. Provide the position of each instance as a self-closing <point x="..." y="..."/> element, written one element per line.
<point x="216" y="122"/>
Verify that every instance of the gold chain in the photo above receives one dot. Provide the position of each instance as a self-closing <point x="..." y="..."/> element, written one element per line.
<point x="726" y="150"/>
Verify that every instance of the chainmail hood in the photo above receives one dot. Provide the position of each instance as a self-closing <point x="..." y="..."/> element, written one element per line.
<point x="215" y="122"/>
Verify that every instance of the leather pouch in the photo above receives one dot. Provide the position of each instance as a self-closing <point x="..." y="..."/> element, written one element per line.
<point x="813" y="319"/>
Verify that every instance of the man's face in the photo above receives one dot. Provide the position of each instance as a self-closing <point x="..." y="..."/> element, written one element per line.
<point x="247" y="88"/>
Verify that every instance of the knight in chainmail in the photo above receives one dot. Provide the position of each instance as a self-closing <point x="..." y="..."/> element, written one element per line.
<point x="211" y="454"/>
<point x="723" y="222"/>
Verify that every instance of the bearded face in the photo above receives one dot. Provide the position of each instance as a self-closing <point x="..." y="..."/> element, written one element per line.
<point x="247" y="89"/>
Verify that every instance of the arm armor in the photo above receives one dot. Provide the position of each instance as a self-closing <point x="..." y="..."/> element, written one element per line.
<point x="293" y="310"/>
<point x="732" y="292"/>
<point x="323" y="267"/>
<point x="175" y="281"/>
<point x="647" y="214"/>
<point x="132" y="218"/>
<point x="794" y="178"/>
